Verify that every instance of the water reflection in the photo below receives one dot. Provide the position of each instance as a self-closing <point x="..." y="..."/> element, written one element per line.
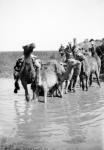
<point x="76" y="119"/>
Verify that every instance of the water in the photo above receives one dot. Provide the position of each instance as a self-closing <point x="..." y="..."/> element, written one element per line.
<point x="75" y="122"/>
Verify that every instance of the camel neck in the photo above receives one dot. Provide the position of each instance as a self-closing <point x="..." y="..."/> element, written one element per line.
<point x="27" y="57"/>
<point x="67" y="73"/>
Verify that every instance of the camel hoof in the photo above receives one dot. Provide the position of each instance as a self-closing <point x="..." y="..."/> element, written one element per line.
<point x="83" y="89"/>
<point x="66" y="92"/>
<point x="18" y="88"/>
<point x="69" y="90"/>
<point x="73" y="90"/>
<point x="60" y="96"/>
<point x="99" y="86"/>
<point x="15" y="91"/>
<point x="34" y="99"/>
<point x="27" y="98"/>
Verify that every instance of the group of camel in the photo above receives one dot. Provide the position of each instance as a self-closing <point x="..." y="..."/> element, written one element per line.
<point x="57" y="77"/>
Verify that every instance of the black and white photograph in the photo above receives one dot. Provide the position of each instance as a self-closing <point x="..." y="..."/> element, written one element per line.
<point x="51" y="74"/>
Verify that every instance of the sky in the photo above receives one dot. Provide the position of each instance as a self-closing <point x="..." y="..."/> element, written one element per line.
<point x="49" y="23"/>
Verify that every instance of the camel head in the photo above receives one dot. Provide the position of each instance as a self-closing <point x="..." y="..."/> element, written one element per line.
<point x="64" y="65"/>
<point x="61" y="50"/>
<point x="73" y="62"/>
<point x="28" y="49"/>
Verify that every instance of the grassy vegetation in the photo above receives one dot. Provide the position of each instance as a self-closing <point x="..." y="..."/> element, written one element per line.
<point x="8" y="60"/>
<point x="7" y="144"/>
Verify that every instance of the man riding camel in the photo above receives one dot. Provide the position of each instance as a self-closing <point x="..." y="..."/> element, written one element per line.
<point x="20" y="64"/>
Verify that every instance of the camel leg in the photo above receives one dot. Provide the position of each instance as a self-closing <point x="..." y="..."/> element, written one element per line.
<point x="24" y="84"/>
<point x="16" y="85"/>
<point x="35" y="94"/>
<point x="56" y="91"/>
<point x="82" y="82"/>
<point x="87" y="81"/>
<point x="53" y="91"/>
<point x="45" y="94"/>
<point x="97" y="76"/>
<point x="35" y="91"/>
<point x="74" y="82"/>
<point x="59" y="90"/>
<point x="90" y="80"/>
<point x="45" y="89"/>
<point x="70" y="85"/>
<point x="67" y="85"/>
<point x="71" y="76"/>
<point x="62" y="85"/>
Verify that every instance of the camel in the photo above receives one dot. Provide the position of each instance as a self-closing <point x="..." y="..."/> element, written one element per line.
<point x="94" y="55"/>
<point x="49" y="78"/>
<point x="28" y="72"/>
<point x="98" y="60"/>
<point x="70" y="54"/>
<point x="82" y="52"/>
<point x="89" y="67"/>
<point x="53" y="75"/>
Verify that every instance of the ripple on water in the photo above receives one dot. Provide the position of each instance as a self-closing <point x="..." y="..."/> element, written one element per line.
<point x="77" y="118"/>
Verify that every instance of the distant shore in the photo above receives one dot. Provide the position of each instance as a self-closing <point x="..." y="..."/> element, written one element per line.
<point x="8" y="60"/>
